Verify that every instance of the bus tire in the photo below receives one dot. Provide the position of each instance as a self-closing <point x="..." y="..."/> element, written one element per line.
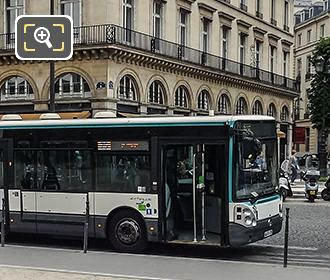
<point x="127" y="232"/>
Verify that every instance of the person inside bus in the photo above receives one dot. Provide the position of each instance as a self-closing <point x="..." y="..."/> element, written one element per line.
<point x="170" y="194"/>
<point x="50" y="180"/>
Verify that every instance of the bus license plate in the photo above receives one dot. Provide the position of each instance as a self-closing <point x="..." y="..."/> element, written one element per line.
<point x="268" y="233"/>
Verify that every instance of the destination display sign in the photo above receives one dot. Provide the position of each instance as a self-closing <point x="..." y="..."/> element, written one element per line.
<point x="123" y="146"/>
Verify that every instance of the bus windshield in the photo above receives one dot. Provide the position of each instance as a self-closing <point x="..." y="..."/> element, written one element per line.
<point x="256" y="173"/>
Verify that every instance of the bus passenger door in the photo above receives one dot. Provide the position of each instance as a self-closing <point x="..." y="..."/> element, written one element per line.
<point x="194" y="184"/>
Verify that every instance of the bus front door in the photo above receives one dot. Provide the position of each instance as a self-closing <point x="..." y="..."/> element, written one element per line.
<point x="194" y="180"/>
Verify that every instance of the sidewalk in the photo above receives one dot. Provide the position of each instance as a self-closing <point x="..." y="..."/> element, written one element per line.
<point x="10" y="273"/>
<point x="31" y="263"/>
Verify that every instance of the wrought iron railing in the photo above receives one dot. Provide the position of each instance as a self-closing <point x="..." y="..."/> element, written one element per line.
<point x="87" y="36"/>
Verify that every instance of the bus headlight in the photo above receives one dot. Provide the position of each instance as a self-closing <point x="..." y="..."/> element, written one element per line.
<point x="247" y="212"/>
<point x="246" y="216"/>
<point x="248" y="221"/>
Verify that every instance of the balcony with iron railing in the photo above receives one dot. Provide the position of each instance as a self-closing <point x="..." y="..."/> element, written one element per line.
<point x="112" y="35"/>
<point x="244" y="7"/>
<point x="286" y="27"/>
<point x="273" y="21"/>
<point x="259" y="15"/>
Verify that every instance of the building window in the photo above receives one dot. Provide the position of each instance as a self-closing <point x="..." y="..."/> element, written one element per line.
<point x="272" y="64"/>
<point x="72" y="8"/>
<point x="309" y="35"/>
<point x="128" y="19"/>
<point x="258" y="55"/>
<point x="157" y="19"/>
<point x="204" y="100"/>
<point x="285" y="63"/>
<point x="259" y="9"/>
<point x="181" y="97"/>
<point x="271" y="110"/>
<point x="224" y="104"/>
<point x="286" y="16"/>
<point x="273" y="12"/>
<point x="243" y="5"/>
<point x="156" y="93"/>
<point x="72" y="85"/>
<point x="311" y="10"/>
<point x="127" y="89"/>
<point x="14" y="8"/>
<point x="309" y="65"/>
<point x="205" y="34"/>
<point x="299" y="40"/>
<point x="16" y="88"/>
<point x="225" y="42"/>
<point x="299" y="65"/>
<point x="183" y="27"/>
<point x="241" y="106"/>
<point x="242" y="47"/>
<point x="257" y="108"/>
<point x="322" y="31"/>
<point x="326" y="4"/>
<point x="307" y="139"/>
<point x="285" y="114"/>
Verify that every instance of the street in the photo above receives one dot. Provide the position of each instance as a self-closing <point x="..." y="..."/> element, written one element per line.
<point x="309" y="247"/>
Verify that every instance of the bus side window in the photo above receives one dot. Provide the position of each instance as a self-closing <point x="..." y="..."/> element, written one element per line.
<point x="123" y="173"/>
<point x="24" y="170"/>
<point x="65" y="170"/>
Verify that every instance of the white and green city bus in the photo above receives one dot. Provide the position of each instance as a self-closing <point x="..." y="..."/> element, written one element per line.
<point x="197" y="180"/>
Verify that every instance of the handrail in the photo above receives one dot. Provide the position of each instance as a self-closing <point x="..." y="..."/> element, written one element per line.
<point x="106" y="34"/>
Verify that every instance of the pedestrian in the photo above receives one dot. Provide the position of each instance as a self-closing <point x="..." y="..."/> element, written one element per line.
<point x="294" y="166"/>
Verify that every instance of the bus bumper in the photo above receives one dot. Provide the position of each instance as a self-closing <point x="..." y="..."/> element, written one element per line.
<point x="240" y="235"/>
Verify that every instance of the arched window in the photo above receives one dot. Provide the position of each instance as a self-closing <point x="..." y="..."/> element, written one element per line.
<point x="257" y="108"/>
<point x="241" y="106"/>
<point x="156" y="93"/>
<point x="224" y="104"/>
<point x="72" y="85"/>
<point x="204" y="100"/>
<point x="181" y="97"/>
<point x="285" y="114"/>
<point x="127" y="88"/>
<point x="271" y="110"/>
<point x="16" y="88"/>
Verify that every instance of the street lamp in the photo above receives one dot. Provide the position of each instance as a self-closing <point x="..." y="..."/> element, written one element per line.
<point x="322" y="66"/>
<point x="52" y="73"/>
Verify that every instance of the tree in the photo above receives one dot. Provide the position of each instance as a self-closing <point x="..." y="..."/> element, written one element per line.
<point x="319" y="98"/>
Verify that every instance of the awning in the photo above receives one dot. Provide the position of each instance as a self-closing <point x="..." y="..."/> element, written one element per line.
<point x="63" y="115"/>
<point x="280" y="134"/>
<point x="128" y="115"/>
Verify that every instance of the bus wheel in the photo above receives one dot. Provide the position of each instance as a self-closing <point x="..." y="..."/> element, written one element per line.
<point x="127" y="232"/>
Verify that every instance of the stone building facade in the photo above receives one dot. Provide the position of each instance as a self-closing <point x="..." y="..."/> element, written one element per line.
<point x="312" y="23"/>
<point x="159" y="57"/>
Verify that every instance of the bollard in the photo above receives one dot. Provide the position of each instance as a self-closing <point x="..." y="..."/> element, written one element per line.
<point x="286" y="238"/>
<point x="86" y="226"/>
<point x="3" y="223"/>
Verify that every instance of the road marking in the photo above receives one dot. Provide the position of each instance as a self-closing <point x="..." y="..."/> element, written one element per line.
<point x="86" y="273"/>
<point x="281" y="247"/>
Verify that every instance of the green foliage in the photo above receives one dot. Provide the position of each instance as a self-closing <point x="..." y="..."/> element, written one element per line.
<point x="319" y="94"/>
